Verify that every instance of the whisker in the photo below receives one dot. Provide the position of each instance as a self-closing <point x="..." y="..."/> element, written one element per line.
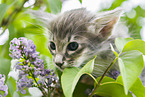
<point x="34" y="25"/>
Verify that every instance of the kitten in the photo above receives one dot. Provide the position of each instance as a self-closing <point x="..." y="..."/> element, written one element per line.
<point x="78" y="35"/>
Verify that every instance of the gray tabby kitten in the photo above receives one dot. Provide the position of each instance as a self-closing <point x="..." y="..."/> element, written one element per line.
<point x="78" y="35"/>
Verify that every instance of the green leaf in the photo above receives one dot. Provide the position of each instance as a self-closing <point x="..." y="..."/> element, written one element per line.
<point x="11" y="82"/>
<point x="116" y="3"/>
<point x="12" y="32"/>
<point x="80" y="1"/>
<point x="0" y="49"/>
<point x="135" y="45"/>
<point x="24" y="21"/>
<point x="134" y="24"/>
<point x="120" y="42"/>
<point x="55" y="6"/>
<point x="131" y="65"/>
<point x="81" y="89"/>
<point x="5" y="65"/>
<point x="119" y="79"/>
<point x="116" y="54"/>
<point x="139" y="11"/>
<point x="138" y="89"/>
<point x="71" y="76"/>
<point x="106" y="79"/>
<point x="69" y="80"/>
<point x="2" y="93"/>
<point x="112" y="89"/>
<point x="4" y="52"/>
<point x="3" y="9"/>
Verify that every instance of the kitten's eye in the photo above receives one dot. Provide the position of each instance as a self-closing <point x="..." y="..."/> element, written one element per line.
<point x="52" y="46"/>
<point x="72" y="46"/>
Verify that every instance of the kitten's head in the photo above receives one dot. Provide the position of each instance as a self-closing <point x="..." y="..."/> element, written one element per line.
<point x="77" y="34"/>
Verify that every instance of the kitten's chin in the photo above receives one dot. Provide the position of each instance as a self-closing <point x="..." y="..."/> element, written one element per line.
<point x="61" y="69"/>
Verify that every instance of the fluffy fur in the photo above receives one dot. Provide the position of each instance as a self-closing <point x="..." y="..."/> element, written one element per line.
<point x="91" y="31"/>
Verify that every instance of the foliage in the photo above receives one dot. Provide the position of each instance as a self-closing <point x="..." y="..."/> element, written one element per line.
<point x="131" y="65"/>
<point x="15" y="20"/>
<point x="72" y="75"/>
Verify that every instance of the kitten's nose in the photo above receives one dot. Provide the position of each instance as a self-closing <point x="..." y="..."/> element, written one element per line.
<point x="58" y="60"/>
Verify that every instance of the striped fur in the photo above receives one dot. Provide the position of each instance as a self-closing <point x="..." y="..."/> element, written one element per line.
<point x="92" y="31"/>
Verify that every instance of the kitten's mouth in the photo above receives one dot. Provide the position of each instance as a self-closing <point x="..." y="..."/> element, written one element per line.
<point x="62" y="67"/>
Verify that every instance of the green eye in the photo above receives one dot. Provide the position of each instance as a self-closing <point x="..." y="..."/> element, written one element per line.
<point x="72" y="46"/>
<point x="52" y="46"/>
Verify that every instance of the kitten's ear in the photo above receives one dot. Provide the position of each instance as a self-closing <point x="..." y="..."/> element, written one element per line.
<point x="44" y="17"/>
<point x="103" y="24"/>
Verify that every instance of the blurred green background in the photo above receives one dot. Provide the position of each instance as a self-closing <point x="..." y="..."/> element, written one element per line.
<point x="15" y="21"/>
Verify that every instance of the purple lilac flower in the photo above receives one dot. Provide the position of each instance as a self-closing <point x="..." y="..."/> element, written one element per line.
<point x="3" y="86"/>
<point x="31" y="67"/>
<point x="38" y="63"/>
<point x="23" y="48"/>
<point x="23" y="83"/>
<point x="37" y="71"/>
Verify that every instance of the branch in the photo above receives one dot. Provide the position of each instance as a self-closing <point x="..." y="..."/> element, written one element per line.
<point x="41" y="89"/>
<point x="12" y="16"/>
<point x="108" y="68"/>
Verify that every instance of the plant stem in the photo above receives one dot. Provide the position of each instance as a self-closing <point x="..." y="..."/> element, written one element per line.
<point x="108" y="68"/>
<point x="12" y="16"/>
<point x="92" y="78"/>
<point x="48" y="92"/>
<point x="42" y="90"/>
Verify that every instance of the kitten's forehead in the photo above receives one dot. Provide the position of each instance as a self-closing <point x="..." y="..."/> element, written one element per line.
<point x="69" y="23"/>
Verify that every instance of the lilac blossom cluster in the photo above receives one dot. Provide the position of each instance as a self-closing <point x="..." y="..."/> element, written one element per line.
<point x="30" y="66"/>
<point x="3" y="86"/>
